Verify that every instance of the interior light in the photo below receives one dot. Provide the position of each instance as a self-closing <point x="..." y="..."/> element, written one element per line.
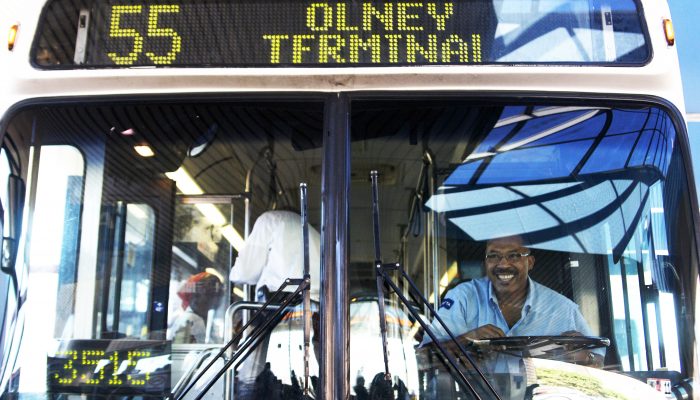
<point x="233" y="237"/>
<point x="144" y="150"/>
<point x="184" y="181"/>
<point x="670" y="33"/>
<point x="12" y="37"/>
<point x="187" y="185"/>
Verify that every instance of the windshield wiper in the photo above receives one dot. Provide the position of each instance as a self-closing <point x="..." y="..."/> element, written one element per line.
<point x="262" y="325"/>
<point x="383" y="279"/>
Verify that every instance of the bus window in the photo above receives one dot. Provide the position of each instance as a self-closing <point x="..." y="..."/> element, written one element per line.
<point x="163" y="201"/>
<point x="52" y="256"/>
<point x="539" y="233"/>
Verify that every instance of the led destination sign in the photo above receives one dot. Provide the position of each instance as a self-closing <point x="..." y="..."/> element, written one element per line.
<point x="336" y="33"/>
<point x="275" y="33"/>
<point x="127" y="367"/>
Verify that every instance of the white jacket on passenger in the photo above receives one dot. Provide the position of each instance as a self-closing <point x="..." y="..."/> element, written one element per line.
<point x="273" y="252"/>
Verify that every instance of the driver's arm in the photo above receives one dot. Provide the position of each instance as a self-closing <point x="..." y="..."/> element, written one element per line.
<point x="459" y="311"/>
<point x="483" y="332"/>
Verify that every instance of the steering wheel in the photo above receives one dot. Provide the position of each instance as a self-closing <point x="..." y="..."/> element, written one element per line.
<point x="540" y="346"/>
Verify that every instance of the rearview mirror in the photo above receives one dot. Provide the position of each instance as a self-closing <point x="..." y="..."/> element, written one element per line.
<point x="11" y="235"/>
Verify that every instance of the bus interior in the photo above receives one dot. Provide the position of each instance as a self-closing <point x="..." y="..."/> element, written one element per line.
<point x="132" y="205"/>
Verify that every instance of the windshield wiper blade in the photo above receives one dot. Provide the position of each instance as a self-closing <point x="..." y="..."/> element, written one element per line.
<point x="384" y="279"/>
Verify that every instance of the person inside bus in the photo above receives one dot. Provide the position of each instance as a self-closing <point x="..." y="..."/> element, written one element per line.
<point x="273" y="252"/>
<point x="506" y="302"/>
<point x="198" y="295"/>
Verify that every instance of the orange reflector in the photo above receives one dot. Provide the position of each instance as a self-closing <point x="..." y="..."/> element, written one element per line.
<point x="670" y="34"/>
<point x="12" y="36"/>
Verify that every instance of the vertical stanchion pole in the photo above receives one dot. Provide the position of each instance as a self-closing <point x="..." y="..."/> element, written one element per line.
<point x="378" y="265"/>
<point x="307" y="280"/>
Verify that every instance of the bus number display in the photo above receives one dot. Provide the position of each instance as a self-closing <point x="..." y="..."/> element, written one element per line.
<point x="114" y="366"/>
<point x="116" y="31"/>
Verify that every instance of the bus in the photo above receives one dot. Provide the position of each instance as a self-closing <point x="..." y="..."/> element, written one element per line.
<point x="281" y="199"/>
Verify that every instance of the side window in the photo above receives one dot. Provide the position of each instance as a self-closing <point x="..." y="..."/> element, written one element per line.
<point x="52" y="244"/>
<point x="642" y="292"/>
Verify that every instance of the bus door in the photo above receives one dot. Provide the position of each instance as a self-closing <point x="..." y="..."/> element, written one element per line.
<point x="134" y="256"/>
<point x="135" y="235"/>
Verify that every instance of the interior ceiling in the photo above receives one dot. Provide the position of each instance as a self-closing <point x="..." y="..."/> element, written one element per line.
<point x="393" y="138"/>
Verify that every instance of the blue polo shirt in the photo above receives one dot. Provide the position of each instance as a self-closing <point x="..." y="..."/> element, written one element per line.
<point x="473" y="304"/>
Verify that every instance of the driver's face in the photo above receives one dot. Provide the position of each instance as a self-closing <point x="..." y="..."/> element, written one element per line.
<point x="506" y="266"/>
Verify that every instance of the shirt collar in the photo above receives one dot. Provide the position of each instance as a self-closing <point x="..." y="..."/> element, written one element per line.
<point x="529" y="299"/>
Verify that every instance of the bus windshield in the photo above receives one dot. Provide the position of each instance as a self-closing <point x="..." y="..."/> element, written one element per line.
<point x="553" y="240"/>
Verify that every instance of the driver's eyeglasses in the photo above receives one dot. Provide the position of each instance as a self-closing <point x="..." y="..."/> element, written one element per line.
<point x="513" y="257"/>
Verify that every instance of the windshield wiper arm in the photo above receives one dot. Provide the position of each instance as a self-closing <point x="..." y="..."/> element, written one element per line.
<point x="262" y="325"/>
<point x="268" y="323"/>
<point x="384" y="279"/>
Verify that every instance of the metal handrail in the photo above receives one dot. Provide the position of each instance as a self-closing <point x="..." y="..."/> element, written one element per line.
<point x="261" y="326"/>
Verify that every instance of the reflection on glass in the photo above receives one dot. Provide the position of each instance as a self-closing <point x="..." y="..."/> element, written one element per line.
<point x="199" y="270"/>
<point x="138" y="267"/>
<point x="572" y="205"/>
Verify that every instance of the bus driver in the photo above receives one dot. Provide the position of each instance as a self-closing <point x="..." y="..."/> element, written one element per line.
<point x="506" y="302"/>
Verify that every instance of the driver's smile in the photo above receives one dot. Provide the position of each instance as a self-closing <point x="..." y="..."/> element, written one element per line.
<point x="505" y="276"/>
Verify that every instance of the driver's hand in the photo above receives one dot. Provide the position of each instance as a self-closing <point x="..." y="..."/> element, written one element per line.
<point x="571" y="333"/>
<point x="483" y="332"/>
<point x="582" y="356"/>
<point x="487" y="331"/>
